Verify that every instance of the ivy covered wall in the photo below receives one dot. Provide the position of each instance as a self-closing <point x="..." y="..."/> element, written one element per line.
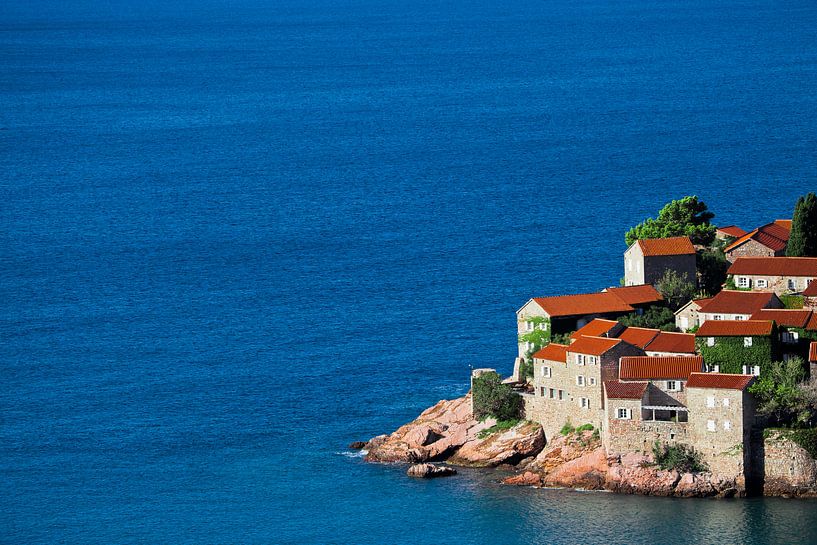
<point x="730" y="354"/>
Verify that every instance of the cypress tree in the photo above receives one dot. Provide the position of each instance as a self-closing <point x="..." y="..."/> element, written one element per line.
<point x="803" y="238"/>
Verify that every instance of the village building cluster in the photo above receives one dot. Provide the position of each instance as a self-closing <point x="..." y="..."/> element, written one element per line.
<point x="640" y="385"/>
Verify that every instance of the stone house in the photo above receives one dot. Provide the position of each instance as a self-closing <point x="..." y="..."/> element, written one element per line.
<point x="721" y="416"/>
<point x="779" y="274"/>
<point x="629" y="424"/>
<point x="654" y="341"/>
<point x="737" y="346"/>
<point x="737" y="305"/>
<point x="646" y="261"/>
<point x="672" y="344"/>
<point x="567" y="381"/>
<point x="687" y="316"/>
<point x="768" y="240"/>
<point x="668" y="374"/>
<point x="567" y="313"/>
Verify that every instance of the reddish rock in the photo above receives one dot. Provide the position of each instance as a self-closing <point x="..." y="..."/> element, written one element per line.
<point x="528" y="478"/>
<point x="509" y="447"/>
<point x="429" y="471"/>
<point x="587" y="472"/>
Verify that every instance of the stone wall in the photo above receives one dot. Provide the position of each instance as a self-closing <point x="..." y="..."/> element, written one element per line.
<point x="720" y="422"/>
<point x="788" y="469"/>
<point x="623" y="435"/>
<point x="752" y="248"/>
<point x="656" y="266"/>
<point x="777" y="284"/>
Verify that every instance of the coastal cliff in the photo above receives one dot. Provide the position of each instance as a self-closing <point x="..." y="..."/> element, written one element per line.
<point x="447" y="432"/>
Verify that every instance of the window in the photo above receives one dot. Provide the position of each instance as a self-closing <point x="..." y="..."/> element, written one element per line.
<point x="623" y="414"/>
<point x="747" y="342"/>
<point x="591" y="360"/>
<point x="756" y="370"/>
<point x="791" y="284"/>
<point x="762" y="283"/>
<point x="712" y="368"/>
<point x="672" y="386"/>
<point x="751" y="370"/>
<point x="546" y="371"/>
<point x="592" y="381"/>
<point x="580" y="380"/>
<point x="579" y="359"/>
<point x="727" y="425"/>
<point x="561" y="395"/>
<point x="552" y="393"/>
<point x="542" y="391"/>
<point x="726" y="402"/>
<point x="710" y="425"/>
<point x="739" y="317"/>
<point x="790" y="337"/>
<point x="717" y="317"/>
<point x="584" y="402"/>
<point x="710" y="401"/>
<point x="528" y="346"/>
<point x="743" y="282"/>
<point x="529" y="326"/>
<point x="710" y="341"/>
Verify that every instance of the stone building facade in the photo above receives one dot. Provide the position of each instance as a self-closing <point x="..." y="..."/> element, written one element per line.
<point x="782" y="275"/>
<point x="768" y="240"/>
<point x="646" y="261"/>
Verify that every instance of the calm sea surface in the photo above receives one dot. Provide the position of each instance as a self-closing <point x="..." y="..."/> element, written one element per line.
<point x="236" y="236"/>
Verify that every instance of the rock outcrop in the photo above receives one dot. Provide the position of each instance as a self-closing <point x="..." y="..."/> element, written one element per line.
<point x="429" y="471"/>
<point x="448" y="431"/>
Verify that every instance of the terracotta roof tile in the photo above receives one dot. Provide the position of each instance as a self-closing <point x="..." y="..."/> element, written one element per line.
<point x="578" y="305"/>
<point x="719" y="380"/>
<point x="659" y="367"/>
<point x="811" y="290"/>
<point x="624" y="390"/>
<point x="734" y="328"/>
<point x="636" y="295"/>
<point x="737" y="302"/>
<point x="594" y="346"/>
<point x="638" y="336"/>
<point x="679" y="343"/>
<point x="595" y="328"/>
<point x="812" y="352"/>
<point x="552" y="352"/>
<point x="666" y="246"/>
<point x="785" y="317"/>
<point x="774" y="236"/>
<point x="732" y="231"/>
<point x="775" y="266"/>
<point x="812" y="322"/>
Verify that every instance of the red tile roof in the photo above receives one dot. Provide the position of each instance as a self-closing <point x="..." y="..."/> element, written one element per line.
<point x="785" y="317"/>
<point x="594" y="346"/>
<point x="659" y="367"/>
<point x="775" y="266"/>
<point x="638" y="336"/>
<point x="732" y="231"/>
<point x="734" y="328"/>
<point x="679" y="343"/>
<point x="624" y="390"/>
<point x="594" y="328"/>
<point x="552" y="352"/>
<point x="774" y="236"/>
<point x="578" y="305"/>
<point x="636" y="295"/>
<point x="666" y="246"/>
<point x="737" y="302"/>
<point x="812" y="352"/>
<point x="719" y="380"/>
<point x="812" y="322"/>
<point x="811" y="290"/>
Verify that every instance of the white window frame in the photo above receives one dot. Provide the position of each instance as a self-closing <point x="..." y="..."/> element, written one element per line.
<point x="591" y="360"/>
<point x="747" y="342"/>
<point x="584" y="403"/>
<point x="792" y="284"/>
<point x="743" y="282"/>
<point x="726" y="402"/>
<point x="592" y="381"/>
<point x="710" y="425"/>
<point x="727" y="425"/>
<point x="542" y="391"/>
<point x="673" y="386"/>
<point x="622" y="413"/>
<point x="529" y="325"/>
<point x="579" y="380"/>
<point x="710" y="401"/>
<point x="762" y="283"/>
<point x="547" y="372"/>
<point x="579" y="359"/>
<point x="552" y="393"/>
<point x="710" y="341"/>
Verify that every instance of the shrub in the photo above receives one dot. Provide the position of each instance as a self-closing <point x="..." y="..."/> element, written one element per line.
<point x="567" y="429"/>
<point x="784" y="394"/>
<point x="492" y="398"/>
<point x="655" y="317"/>
<point x="679" y="457"/>
<point x="526" y="369"/>
<point x="584" y="427"/>
<point x="502" y="425"/>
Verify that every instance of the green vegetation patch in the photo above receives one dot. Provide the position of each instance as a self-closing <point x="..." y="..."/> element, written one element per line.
<point x="492" y="398"/>
<point x="502" y="425"/>
<point x="679" y="457"/>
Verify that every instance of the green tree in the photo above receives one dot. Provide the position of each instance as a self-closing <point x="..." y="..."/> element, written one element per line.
<point x="803" y="238"/>
<point x="683" y="217"/>
<point x="784" y="395"/>
<point x="655" y="317"/>
<point x="676" y="290"/>
<point x="492" y="398"/>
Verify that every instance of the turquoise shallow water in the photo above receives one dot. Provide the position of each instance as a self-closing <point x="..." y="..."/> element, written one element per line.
<point x="236" y="237"/>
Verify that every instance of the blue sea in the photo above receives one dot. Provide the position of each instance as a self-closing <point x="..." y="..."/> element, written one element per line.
<point x="236" y="236"/>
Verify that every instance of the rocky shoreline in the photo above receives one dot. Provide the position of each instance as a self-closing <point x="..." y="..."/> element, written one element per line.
<point x="447" y="432"/>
